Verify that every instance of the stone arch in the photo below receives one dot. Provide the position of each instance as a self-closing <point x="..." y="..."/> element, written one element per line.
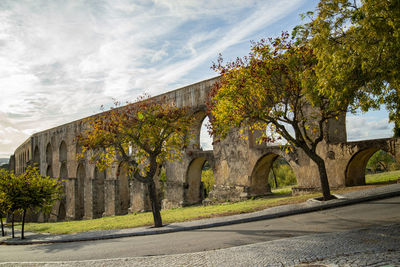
<point x="192" y="193"/>
<point x="259" y="177"/>
<point x="62" y="152"/>
<point x="355" y="170"/>
<point x="98" y="193"/>
<point x="123" y="188"/>
<point x="80" y="198"/>
<point x="199" y="116"/>
<point x="259" y="184"/>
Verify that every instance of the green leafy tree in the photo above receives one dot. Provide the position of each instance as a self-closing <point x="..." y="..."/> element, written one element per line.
<point x="382" y="161"/>
<point x="29" y="191"/>
<point x="281" y="174"/>
<point x="207" y="177"/>
<point x="275" y="86"/>
<point x="10" y="188"/>
<point x="357" y="44"/>
<point x="143" y="134"/>
<point x="4" y="201"/>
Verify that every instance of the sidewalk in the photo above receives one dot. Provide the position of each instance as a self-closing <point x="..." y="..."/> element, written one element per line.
<point x="280" y="211"/>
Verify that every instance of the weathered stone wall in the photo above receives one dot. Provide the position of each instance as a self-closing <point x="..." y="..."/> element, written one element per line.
<point x="240" y="165"/>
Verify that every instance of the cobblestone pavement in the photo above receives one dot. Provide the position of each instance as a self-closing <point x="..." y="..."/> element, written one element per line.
<point x="374" y="246"/>
<point x="378" y="259"/>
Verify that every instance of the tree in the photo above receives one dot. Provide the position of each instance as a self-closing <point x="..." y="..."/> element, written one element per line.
<point x="357" y="44"/>
<point x="29" y="191"/>
<point x="10" y="187"/>
<point x="381" y="161"/>
<point x="4" y="201"/>
<point x="143" y="134"/>
<point x="37" y="193"/>
<point x="275" y="86"/>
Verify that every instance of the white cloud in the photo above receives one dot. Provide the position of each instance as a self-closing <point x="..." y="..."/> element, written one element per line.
<point x="368" y="126"/>
<point x="60" y="60"/>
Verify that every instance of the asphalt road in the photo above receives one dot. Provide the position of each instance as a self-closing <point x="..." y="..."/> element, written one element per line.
<point x="345" y="218"/>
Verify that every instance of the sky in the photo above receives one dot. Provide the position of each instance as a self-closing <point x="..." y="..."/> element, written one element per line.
<point x="61" y="60"/>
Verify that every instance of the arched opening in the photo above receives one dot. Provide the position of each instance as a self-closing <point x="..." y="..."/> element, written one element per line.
<point x="201" y="139"/>
<point x="49" y="171"/>
<point x="62" y="213"/>
<point x="199" y="181"/>
<point x="98" y="193"/>
<point x="382" y="168"/>
<point x="49" y="160"/>
<point x="206" y="140"/>
<point x="80" y="199"/>
<point x="379" y="166"/>
<point x="123" y="188"/>
<point x="207" y="180"/>
<point x="36" y="157"/>
<point x="271" y="171"/>
<point x="62" y="153"/>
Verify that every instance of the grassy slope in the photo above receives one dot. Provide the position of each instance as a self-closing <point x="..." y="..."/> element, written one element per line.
<point x="384" y="177"/>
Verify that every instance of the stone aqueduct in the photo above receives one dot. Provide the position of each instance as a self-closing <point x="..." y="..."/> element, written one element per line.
<point x="240" y="166"/>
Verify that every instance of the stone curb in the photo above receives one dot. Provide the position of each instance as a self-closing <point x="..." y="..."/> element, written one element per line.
<point x="288" y="210"/>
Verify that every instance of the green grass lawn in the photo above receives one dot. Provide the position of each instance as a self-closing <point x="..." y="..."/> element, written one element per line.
<point x="280" y="196"/>
<point x="384" y="177"/>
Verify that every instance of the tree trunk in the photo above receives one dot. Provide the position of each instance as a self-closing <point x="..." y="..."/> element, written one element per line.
<point x="23" y="224"/>
<point x="273" y="173"/>
<point x="12" y="225"/>
<point x="2" y="225"/>
<point x="154" y="204"/>
<point x="326" y="192"/>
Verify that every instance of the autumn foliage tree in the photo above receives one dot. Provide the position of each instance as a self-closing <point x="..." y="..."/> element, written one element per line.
<point x="275" y="87"/>
<point x="143" y="134"/>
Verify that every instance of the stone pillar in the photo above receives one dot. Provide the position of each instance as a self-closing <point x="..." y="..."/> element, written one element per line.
<point x="139" y="197"/>
<point x="71" y="192"/>
<point x="110" y="191"/>
<point x="232" y="168"/>
<point x="175" y="185"/>
<point x="88" y="199"/>
<point x="174" y="194"/>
